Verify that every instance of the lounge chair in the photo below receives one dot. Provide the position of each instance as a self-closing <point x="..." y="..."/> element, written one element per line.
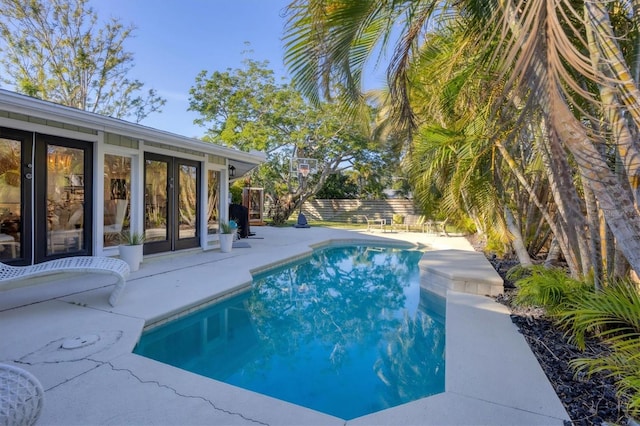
<point x="82" y="264"/>
<point x="21" y="396"/>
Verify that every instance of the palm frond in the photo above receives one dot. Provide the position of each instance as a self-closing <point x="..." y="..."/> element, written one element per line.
<point x="613" y="314"/>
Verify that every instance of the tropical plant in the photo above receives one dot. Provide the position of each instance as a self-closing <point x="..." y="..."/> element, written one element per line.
<point x="550" y="288"/>
<point x="613" y="316"/>
<point x="130" y="238"/>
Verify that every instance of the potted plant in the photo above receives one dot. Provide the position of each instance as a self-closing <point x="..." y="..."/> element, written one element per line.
<point x="131" y="248"/>
<point x="227" y="231"/>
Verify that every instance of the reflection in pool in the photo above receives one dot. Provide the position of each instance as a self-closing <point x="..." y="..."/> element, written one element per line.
<point x="346" y="332"/>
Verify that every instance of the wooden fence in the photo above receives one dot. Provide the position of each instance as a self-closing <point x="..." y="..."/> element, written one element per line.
<point x="348" y="211"/>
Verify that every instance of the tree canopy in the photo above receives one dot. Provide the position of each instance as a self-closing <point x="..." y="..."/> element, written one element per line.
<point x="57" y="50"/>
<point x="247" y="109"/>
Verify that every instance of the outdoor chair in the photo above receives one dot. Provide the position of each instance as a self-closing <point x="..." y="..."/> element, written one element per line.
<point x="21" y="396"/>
<point x="436" y="227"/>
<point x="81" y="264"/>
<point x="375" y="223"/>
<point x="412" y="221"/>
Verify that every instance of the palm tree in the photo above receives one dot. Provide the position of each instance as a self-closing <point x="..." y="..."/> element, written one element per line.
<point x="539" y="52"/>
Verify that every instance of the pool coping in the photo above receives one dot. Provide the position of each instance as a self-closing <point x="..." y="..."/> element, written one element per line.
<point x="491" y="375"/>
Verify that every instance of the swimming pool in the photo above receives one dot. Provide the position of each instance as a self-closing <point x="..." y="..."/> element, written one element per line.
<point x="347" y="331"/>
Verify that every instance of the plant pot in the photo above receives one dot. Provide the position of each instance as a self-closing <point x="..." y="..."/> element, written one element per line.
<point x="132" y="255"/>
<point x="226" y="242"/>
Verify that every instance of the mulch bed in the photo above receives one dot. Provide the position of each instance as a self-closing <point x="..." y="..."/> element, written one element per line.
<point x="589" y="400"/>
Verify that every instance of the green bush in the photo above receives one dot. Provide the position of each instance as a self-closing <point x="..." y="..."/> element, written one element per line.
<point x="550" y="288"/>
<point x="613" y="316"/>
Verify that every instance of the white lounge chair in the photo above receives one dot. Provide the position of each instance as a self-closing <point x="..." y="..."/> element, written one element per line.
<point x="21" y="396"/>
<point x="95" y="264"/>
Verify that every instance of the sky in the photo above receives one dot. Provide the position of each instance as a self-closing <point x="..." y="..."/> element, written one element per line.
<point x="175" y="40"/>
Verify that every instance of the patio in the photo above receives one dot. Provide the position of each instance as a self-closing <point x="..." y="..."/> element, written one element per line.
<point x="491" y="378"/>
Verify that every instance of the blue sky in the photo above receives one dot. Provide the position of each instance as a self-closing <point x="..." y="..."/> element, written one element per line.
<point x="175" y="40"/>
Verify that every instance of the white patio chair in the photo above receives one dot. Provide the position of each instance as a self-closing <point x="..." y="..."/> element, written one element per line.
<point x="86" y="264"/>
<point x="21" y="396"/>
<point x="377" y="223"/>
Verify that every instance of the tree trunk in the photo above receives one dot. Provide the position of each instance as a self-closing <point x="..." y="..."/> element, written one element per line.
<point x="608" y="247"/>
<point x="617" y="204"/>
<point x="594" y="236"/>
<point x="569" y="204"/>
<point x="555" y="228"/>
<point x="628" y="150"/>
<point x="517" y="242"/>
<point x="547" y="85"/>
<point x="553" y="257"/>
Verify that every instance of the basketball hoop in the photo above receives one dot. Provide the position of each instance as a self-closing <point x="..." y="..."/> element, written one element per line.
<point x="303" y="167"/>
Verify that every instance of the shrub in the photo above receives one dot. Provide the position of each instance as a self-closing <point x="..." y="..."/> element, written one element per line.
<point x="613" y="316"/>
<point x="550" y="288"/>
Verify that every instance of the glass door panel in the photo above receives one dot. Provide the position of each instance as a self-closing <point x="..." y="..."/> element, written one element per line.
<point x="117" y="188"/>
<point x="45" y="194"/>
<point x="65" y="199"/>
<point x="187" y="208"/>
<point x="213" y="202"/>
<point x="11" y="187"/>
<point x="156" y="199"/>
<point x="63" y="194"/>
<point x="187" y="205"/>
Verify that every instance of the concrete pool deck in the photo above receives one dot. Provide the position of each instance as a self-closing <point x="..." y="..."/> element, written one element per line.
<point x="491" y="375"/>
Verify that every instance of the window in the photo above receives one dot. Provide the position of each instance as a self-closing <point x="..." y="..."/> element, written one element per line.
<point x="213" y="202"/>
<point x="117" y="190"/>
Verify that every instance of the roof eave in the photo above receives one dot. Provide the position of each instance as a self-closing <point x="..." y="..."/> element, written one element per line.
<point x="50" y="111"/>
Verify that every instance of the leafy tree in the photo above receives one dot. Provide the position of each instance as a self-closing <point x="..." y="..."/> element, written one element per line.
<point x="55" y="50"/>
<point x="247" y="109"/>
<point x="338" y="186"/>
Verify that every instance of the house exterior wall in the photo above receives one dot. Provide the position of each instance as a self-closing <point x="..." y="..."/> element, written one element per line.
<point x="66" y="123"/>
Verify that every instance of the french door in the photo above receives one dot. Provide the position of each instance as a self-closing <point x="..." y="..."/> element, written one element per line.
<point x="16" y="173"/>
<point x="171" y="198"/>
<point x="45" y="197"/>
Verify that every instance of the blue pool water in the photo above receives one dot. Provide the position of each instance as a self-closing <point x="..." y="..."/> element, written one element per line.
<point x="347" y="332"/>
